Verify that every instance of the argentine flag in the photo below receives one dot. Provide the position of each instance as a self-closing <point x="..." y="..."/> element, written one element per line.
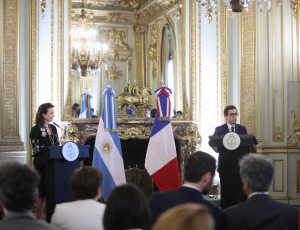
<point x="107" y="152"/>
<point x="161" y="157"/>
<point x="83" y="106"/>
<point x="85" y="111"/>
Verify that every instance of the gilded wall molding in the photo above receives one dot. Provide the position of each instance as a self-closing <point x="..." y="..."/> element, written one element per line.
<point x="33" y="59"/>
<point x="68" y="109"/>
<point x="295" y="7"/>
<point x="185" y="102"/>
<point x="224" y="60"/>
<point x="278" y="135"/>
<point x="10" y="70"/>
<point x="295" y="127"/>
<point x="248" y="86"/>
<point x="281" y="162"/>
<point x="51" y="55"/>
<point x="192" y="61"/>
<point x="200" y="66"/>
<point x="60" y="72"/>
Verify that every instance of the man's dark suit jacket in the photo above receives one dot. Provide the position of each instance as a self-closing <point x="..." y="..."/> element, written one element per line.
<point x="162" y="201"/>
<point x="228" y="168"/>
<point x="261" y="212"/>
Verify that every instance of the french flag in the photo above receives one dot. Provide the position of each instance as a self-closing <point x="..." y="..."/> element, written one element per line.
<point x="107" y="152"/>
<point x="161" y="158"/>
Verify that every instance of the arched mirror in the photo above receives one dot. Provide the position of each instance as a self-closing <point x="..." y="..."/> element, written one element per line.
<point x="168" y="62"/>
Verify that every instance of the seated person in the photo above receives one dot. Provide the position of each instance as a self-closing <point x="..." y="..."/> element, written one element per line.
<point x="179" y="114"/>
<point x="93" y="116"/>
<point x="260" y="211"/>
<point x="75" y="110"/>
<point x="153" y="113"/>
<point x="127" y="209"/>
<point x="18" y="194"/>
<point x="186" y="217"/>
<point x="199" y="171"/>
<point x="85" y="212"/>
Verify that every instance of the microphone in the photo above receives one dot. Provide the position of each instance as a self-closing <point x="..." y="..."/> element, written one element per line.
<point x="59" y="127"/>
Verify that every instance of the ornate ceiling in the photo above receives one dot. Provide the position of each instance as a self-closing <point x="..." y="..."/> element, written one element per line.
<point x="130" y="5"/>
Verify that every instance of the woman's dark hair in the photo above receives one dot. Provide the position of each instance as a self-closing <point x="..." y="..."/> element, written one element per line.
<point x="127" y="208"/>
<point x="39" y="119"/>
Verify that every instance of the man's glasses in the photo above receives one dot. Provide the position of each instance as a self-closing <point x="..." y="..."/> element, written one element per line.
<point x="233" y="114"/>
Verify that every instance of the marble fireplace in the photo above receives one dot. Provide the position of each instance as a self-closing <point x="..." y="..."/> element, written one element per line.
<point x="134" y="135"/>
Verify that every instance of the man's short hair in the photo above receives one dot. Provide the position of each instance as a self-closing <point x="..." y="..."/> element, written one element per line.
<point x="197" y="165"/>
<point x="85" y="182"/>
<point x="257" y="171"/>
<point x="18" y="186"/>
<point x="179" y="112"/>
<point x="228" y="108"/>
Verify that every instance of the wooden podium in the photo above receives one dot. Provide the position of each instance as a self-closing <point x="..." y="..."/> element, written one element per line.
<point x="228" y="167"/>
<point x="58" y="174"/>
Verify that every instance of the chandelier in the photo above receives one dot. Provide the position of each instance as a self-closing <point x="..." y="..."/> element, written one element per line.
<point x="233" y="6"/>
<point x="86" y="53"/>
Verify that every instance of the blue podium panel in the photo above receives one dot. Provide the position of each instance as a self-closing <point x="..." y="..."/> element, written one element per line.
<point x="58" y="174"/>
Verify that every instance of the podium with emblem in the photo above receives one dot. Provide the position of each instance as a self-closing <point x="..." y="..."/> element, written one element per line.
<point x="60" y="162"/>
<point x="231" y="148"/>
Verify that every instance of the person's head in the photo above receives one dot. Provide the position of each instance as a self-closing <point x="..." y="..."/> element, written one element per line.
<point x="126" y="208"/>
<point x="44" y="114"/>
<point x="86" y="183"/>
<point x="200" y="167"/>
<point x="231" y="114"/>
<point x="152" y="113"/>
<point x="76" y="107"/>
<point x="189" y="216"/>
<point x="18" y="187"/>
<point x="257" y="173"/>
<point x="178" y="114"/>
<point x="92" y="110"/>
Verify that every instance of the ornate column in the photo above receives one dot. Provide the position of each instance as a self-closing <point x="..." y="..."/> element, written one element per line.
<point x="248" y="86"/>
<point x="10" y="67"/>
<point x="139" y="31"/>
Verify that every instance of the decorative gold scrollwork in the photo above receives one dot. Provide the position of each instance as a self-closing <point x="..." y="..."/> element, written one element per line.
<point x="71" y="134"/>
<point x="295" y="126"/>
<point x="134" y="132"/>
<point x="295" y="8"/>
<point x="193" y="137"/>
<point x="278" y="135"/>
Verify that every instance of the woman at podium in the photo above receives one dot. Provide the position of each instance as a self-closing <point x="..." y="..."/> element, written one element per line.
<point x="42" y="135"/>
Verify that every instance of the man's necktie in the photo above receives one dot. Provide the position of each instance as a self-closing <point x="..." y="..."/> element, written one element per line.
<point x="232" y="128"/>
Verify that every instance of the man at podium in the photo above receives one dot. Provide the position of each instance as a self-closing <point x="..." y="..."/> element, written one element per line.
<point x="228" y="168"/>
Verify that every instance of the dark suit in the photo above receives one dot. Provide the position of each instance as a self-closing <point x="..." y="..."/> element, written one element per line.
<point x="261" y="212"/>
<point x="24" y="221"/>
<point x="162" y="201"/>
<point x="231" y="184"/>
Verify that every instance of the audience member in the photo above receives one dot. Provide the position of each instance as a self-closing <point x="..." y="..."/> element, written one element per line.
<point x="199" y="171"/>
<point x="178" y="114"/>
<point x="127" y="208"/>
<point x="153" y="113"/>
<point x="188" y="216"/>
<point x="93" y="115"/>
<point x="75" y="110"/>
<point x="85" y="212"/>
<point x="260" y="211"/>
<point x="18" y="194"/>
